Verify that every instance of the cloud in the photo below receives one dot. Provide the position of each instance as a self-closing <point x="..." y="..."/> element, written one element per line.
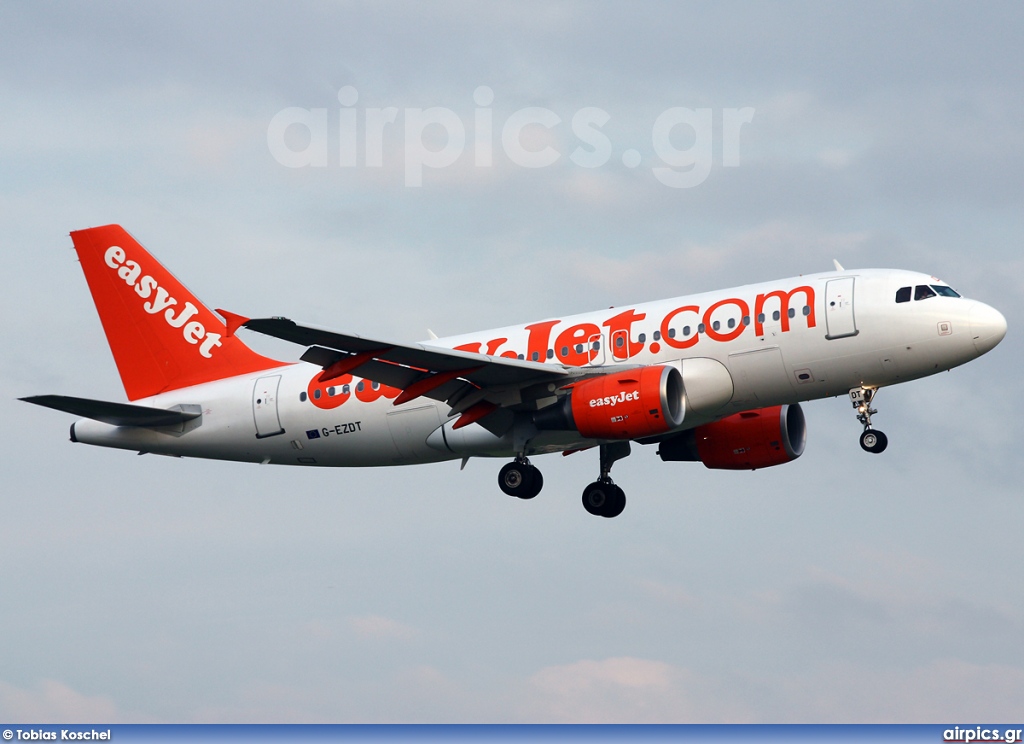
<point x="378" y="627"/>
<point x="634" y="690"/>
<point x="623" y="689"/>
<point x="51" y="701"/>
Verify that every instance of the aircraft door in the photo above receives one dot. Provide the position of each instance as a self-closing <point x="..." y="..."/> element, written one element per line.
<point x="619" y="342"/>
<point x="839" y="316"/>
<point x="264" y="407"/>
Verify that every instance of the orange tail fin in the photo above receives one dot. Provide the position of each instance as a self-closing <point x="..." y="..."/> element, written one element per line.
<point x="162" y="336"/>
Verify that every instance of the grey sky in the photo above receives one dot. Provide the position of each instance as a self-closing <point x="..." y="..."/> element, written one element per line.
<point x="840" y="587"/>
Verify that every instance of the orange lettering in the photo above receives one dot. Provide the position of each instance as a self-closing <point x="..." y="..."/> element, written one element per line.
<point x="493" y="344"/>
<point x="666" y="326"/>
<point x="735" y="332"/>
<point x="367" y="391"/>
<point x="784" y="298"/>
<point x="537" y="344"/>
<point x="320" y="392"/>
<point x="570" y="338"/>
<point x="619" y="329"/>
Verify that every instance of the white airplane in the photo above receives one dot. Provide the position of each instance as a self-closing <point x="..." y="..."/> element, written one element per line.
<point x="715" y="377"/>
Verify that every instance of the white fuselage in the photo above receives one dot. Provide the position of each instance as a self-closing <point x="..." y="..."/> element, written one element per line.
<point x="781" y="342"/>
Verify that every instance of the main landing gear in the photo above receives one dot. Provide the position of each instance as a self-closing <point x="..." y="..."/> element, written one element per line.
<point x="520" y="479"/>
<point x="602" y="498"/>
<point x="871" y="440"/>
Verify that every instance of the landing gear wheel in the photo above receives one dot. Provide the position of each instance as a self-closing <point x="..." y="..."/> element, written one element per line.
<point x="538" y="483"/>
<point x="618" y="503"/>
<point x="520" y="479"/>
<point x="604" y="499"/>
<point x="873" y="441"/>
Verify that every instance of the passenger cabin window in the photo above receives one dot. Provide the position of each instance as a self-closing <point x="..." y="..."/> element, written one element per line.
<point x="944" y="291"/>
<point x="903" y="294"/>
<point x="923" y="292"/>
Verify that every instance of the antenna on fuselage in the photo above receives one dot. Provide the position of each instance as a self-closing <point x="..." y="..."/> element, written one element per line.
<point x="839" y="266"/>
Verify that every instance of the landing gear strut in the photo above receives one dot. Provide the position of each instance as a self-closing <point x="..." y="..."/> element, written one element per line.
<point x="520" y="479"/>
<point x="603" y="498"/>
<point x="871" y="440"/>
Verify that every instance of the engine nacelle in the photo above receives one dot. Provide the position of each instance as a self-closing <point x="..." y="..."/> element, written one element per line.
<point x="629" y="404"/>
<point x="743" y="441"/>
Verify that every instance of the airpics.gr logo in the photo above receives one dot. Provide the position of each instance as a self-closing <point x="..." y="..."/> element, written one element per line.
<point x="979" y="733"/>
<point x="147" y="287"/>
<point x="615" y="399"/>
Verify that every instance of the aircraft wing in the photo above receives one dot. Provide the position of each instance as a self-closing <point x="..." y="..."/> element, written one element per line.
<point x="433" y="371"/>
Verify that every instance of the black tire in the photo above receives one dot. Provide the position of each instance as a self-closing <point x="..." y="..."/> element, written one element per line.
<point x="873" y="441"/>
<point x="537" y="484"/>
<point x="517" y="479"/>
<point x="616" y="504"/>
<point x="604" y="500"/>
<point x="596" y="497"/>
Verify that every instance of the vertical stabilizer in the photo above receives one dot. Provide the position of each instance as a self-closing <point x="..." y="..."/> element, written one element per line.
<point x="161" y="335"/>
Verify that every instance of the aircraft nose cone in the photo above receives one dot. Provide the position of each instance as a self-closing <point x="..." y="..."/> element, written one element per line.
<point x="988" y="326"/>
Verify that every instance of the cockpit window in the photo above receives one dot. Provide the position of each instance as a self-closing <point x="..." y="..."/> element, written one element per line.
<point x="923" y="292"/>
<point x="944" y="291"/>
<point x="903" y="294"/>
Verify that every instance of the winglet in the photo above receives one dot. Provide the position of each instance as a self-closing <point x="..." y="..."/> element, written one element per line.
<point x="232" y="321"/>
<point x="838" y="266"/>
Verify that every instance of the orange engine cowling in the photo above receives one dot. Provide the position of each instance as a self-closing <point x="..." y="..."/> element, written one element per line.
<point x="743" y="441"/>
<point x="626" y="405"/>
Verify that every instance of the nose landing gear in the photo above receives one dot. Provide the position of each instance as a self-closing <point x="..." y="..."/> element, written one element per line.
<point x="871" y="440"/>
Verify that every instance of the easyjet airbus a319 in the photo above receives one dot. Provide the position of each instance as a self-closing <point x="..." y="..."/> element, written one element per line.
<point x="715" y="377"/>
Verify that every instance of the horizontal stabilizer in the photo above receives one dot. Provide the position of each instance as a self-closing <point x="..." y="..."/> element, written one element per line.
<point x="115" y="414"/>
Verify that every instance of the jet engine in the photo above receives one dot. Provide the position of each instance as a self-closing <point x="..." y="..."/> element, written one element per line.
<point x="743" y="441"/>
<point x="633" y="403"/>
